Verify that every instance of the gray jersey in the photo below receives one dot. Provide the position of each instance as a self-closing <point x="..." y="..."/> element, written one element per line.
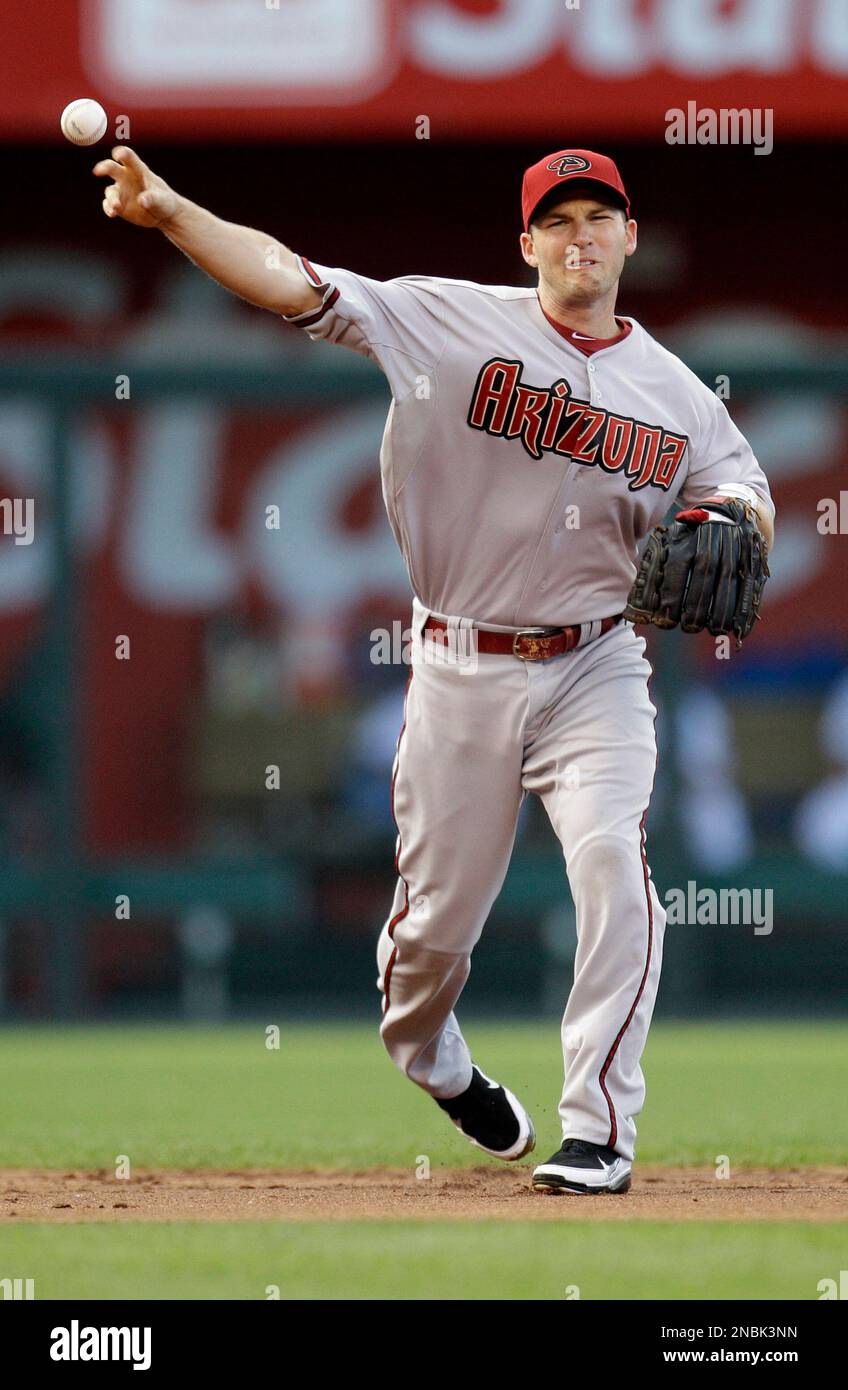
<point x="519" y="475"/>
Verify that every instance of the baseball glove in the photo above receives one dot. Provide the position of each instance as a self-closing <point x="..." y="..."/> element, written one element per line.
<point x="706" y="570"/>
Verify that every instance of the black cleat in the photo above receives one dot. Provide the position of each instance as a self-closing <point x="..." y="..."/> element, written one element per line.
<point x="491" y="1117"/>
<point x="582" y="1167"/>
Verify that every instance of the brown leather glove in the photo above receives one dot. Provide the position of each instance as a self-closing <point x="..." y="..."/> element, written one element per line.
<point x="706" y="570"/>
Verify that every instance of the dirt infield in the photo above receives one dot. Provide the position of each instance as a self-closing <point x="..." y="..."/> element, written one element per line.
<point x="386" y="1194"/>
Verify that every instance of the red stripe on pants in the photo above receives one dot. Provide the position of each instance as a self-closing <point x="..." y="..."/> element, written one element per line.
<point x="399" y="916"/>
<point x="613" y="1134"/>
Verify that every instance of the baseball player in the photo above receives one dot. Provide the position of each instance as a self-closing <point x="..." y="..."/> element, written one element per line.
<point x="534" y="440"/>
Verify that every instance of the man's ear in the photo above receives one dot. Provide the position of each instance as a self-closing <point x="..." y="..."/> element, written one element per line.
<point x="528" y="250"/>
<point x="632" y="237"/>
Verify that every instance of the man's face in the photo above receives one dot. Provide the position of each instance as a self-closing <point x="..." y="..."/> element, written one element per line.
<point x="579" y="246"/>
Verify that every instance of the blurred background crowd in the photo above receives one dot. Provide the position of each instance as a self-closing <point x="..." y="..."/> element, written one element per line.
<point x="148" y="866"/>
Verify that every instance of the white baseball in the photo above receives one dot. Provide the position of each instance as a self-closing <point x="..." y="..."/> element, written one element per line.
<point x="84" y="121"/>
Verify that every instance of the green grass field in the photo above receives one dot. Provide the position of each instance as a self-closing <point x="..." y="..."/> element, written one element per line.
<point x="436" y="1260"/>
<point x="328" y="1097"/>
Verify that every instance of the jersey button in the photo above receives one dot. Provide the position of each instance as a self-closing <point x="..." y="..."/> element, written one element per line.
<point x="590" y="368"/>
<point x="544" y="584"/>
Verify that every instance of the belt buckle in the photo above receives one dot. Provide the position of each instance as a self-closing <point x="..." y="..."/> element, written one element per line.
<point x="539" y="639"/>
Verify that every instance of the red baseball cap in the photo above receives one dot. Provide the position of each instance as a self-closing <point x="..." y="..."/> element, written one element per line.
<point x="557" y="169"/>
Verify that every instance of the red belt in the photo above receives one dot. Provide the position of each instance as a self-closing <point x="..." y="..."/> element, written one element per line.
<point x="528" y="643"/>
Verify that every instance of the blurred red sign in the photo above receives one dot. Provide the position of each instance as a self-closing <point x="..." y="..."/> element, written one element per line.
<point x="365" y="68"/>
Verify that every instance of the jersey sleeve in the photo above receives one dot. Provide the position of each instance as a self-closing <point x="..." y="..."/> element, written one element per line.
<point x="399" y="324"/>
<point x="722" y="460"/>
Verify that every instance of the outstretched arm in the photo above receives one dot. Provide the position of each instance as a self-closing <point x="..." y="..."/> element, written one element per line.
<point x="248" y="262"/>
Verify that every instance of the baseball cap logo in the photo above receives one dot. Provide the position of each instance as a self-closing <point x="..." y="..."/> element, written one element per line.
<point x="569" y="164"/>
